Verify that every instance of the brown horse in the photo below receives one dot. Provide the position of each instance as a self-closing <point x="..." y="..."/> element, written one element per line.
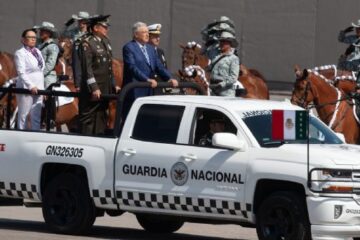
<point x="67" y="114"/>
<point x="328" y="101"/>
<point x="67" y="46"/>
<point x="63" y="65"/>
<point x="7" y="67"/>
<point x="341" y="79"/>
<point x="251" y="79"/>
<point x="197" y="74"/>
<point x="118" y="70"/>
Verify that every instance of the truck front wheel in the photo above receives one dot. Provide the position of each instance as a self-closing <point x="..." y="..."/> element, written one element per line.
<point x="67" y="206"/>
<point x="283" y="215"/>
<point x="159" y="224"/>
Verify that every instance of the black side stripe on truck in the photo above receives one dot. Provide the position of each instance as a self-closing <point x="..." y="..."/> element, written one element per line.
<point x="19" y="190"/>
<point x="170" y="202"/>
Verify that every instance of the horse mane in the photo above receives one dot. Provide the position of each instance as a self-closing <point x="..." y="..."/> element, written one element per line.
<point x="257" y="74"/>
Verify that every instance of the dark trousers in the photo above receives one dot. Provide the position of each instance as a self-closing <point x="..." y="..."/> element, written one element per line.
<point x="92" y="116"/>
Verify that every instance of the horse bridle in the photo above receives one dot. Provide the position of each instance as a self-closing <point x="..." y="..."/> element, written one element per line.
<point x="301" y="101"/>
<point x="195" y="57"/>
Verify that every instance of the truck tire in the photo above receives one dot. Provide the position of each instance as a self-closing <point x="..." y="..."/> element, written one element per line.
<point x="283" y="215"/>
<point x="159" y="224"/>
<point x="67" y="206"/>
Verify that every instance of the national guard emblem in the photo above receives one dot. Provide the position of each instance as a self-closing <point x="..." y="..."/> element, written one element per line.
<point x="179" y="173"/>
<point x="289" y="123"/>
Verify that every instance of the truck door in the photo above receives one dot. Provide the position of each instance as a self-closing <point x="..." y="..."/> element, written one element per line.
<point x="216" y="175"/>
<point x="147" y="151"/>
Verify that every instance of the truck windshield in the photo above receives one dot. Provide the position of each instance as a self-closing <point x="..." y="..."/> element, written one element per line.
<point x="260" y="126"/>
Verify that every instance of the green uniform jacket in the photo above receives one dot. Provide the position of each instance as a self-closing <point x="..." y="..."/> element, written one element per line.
<point x="96" y="65"/>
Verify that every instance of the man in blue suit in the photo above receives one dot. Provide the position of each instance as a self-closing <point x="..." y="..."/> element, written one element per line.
<point x="141" y="64"/>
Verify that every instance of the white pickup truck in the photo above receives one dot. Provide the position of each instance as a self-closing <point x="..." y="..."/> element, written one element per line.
<point x="157" y="169"/>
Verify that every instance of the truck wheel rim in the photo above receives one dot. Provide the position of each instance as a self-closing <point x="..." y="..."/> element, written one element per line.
<point x="63" y="206"/>
<point x="277" y="223"/>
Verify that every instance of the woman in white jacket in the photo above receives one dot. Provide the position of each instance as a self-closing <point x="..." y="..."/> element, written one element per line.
<point x="29" y="66"/>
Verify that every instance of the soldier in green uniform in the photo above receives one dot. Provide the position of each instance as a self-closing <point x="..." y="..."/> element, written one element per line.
<point x="96" y="77"/>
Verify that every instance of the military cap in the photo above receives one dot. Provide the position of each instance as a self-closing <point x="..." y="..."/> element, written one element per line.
<point x="215" y="116"/>
<point x="47" y="26"/>
<point x="99" y="19"/>
<point x="155" y="28"/>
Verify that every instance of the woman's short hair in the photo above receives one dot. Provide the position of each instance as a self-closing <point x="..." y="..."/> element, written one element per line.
<point x="26" y="31"/>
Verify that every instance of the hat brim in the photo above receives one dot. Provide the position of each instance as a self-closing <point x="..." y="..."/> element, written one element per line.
<point x="217" y="22"/>
<point x="355" y="25"/>
<point x="155" y="32"/>
<point x="53" y="31"/>
<point x="76" y="17"/>
<point x="104" y="24"/>
<point x="233" y="42"/>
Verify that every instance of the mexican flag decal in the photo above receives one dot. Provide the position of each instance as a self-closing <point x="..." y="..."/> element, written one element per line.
<point x="289" y="125"/>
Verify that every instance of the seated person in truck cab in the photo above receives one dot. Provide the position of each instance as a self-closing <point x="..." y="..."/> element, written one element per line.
<point x="216" y="125"/>
<point x="207" y="123"/>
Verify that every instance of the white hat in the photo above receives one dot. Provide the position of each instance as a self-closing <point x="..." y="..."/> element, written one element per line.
<point x="48" y="26"/>
<point x="155" y="28"/>
<point x="227" y="36"/>
<point x="81" y="15"/>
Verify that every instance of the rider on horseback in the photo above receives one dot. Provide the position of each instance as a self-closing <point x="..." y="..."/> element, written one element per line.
<point x="225" y="67"/>
<point x="350" y="60"/>
<point x="49" y="50"/>
<point x="76" y="32"/>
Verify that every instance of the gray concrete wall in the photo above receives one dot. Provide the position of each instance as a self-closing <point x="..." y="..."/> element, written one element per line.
<point x="273" y="35"/>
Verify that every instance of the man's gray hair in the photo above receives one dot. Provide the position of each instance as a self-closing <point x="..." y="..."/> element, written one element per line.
<point x="136" y="27"/>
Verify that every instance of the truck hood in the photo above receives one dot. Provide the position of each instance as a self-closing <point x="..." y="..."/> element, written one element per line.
<point x="340" y="154"/>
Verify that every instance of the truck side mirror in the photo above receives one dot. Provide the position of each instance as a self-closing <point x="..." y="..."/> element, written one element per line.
<point x="229" y="140"/>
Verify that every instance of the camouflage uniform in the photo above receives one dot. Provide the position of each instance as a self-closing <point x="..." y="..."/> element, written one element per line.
<point x="50" y="52"/>
<point x="224" y="73"/>
<point x="74" y="34"/>
<point x="349" y="61"/>
<point x="96" y="65"/>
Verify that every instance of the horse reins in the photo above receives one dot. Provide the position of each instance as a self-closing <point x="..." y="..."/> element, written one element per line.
<point x="337" y="103"/>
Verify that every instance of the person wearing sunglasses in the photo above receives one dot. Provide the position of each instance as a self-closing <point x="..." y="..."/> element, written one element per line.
<point x="29" y="66"/>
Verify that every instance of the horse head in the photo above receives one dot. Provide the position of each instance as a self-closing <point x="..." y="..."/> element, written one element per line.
<point x="302" y="93"/>
<point x="192" y="55"/>
<point x="65" y="44"/>
<point x="7" y="67"/>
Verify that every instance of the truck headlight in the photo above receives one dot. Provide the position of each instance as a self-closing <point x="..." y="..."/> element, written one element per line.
<point x="331" y="180"/>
